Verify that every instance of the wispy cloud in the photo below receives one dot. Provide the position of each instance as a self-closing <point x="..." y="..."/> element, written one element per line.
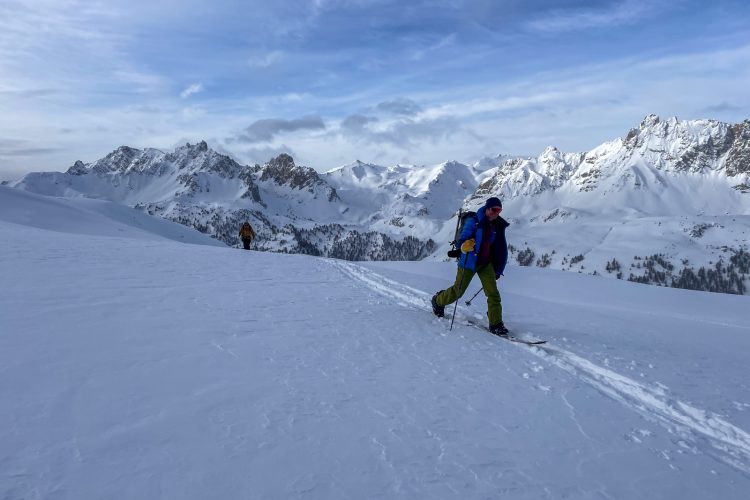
<point x="14" y="147"/>
<point x="295" y="97"/>
<point x="625" y="12"/>
<point x="420" y="53"/>
<point x="265" y="130"/>
<point x="79" y="49"/>
<point x="335" y="79"/>
<point x="14" y="153"/>
<point x="723" y="107"/>
<point x="191" y="89"/>
<point x="399" y="106"/>
<point x="265" y="60"/>
<point x="404" y="133"/>
<point x="261" y="155"/>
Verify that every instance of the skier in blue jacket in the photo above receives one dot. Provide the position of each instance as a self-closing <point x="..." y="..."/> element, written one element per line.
<point x="484" y="251"/>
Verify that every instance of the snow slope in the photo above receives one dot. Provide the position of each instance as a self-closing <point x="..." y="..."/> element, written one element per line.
<point x="147" y="368"/>
<point x="91" y="217"/>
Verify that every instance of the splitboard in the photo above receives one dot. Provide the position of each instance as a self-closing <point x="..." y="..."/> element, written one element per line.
<point x="510" y="337"/>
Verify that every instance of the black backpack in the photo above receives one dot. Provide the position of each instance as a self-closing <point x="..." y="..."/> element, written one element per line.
<point x="455" y="252"/>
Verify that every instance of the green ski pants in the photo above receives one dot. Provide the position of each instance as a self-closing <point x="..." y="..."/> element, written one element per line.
<point x="489" y="284"/>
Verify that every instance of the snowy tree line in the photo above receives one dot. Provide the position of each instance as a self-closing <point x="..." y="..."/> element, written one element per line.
<point x="328" y="240"/>
<point x="720" y="277"/>
<point x="333" y="240"/>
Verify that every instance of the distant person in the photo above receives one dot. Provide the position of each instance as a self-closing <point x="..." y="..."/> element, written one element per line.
<point x="484" y="251"/>
<point x="247" y="235"/>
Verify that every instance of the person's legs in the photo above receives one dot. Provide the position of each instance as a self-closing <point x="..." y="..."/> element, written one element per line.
<point x="489" y="284"/>
<point x="452" y="294"/>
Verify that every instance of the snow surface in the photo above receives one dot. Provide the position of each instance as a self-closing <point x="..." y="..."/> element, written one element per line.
<point x="136" y="366"/>
<point x="92" y="217"/>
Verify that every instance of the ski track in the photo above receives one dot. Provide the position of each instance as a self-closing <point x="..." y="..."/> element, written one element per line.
<point x="725" y="442"/>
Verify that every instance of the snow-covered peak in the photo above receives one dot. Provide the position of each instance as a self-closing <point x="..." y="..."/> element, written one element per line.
<point x="357" y="170"/>
<point x="649" y="121"/>
<point x="195" y="158"/>
<point x="78" y="168"/>
<point x="282" y="171"/>
<point x="650" y="160"/>
<point x="187" y="159"/>
<point x="122" y="160"/>
<point x="489" y="162"/>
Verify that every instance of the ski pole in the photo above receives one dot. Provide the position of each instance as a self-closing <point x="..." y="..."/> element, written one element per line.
<point x="468" y="302"/>
<point x="460" y="286"/>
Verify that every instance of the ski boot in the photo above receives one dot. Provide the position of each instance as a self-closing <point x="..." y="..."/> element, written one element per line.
<point x="438" y="310"/>
<point x="499" y="329"/>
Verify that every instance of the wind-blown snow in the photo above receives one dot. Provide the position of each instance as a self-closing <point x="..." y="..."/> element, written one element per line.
<point x="134" y="366"/>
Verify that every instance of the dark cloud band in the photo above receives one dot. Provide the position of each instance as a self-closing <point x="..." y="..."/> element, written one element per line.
<point x="265" y="130"/>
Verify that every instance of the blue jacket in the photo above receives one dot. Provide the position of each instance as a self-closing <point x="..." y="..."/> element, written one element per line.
<point x="479" y="228"/>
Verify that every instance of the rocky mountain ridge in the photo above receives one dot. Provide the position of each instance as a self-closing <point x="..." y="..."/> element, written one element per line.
<point x="643" y="159"/>
<point x="293" y="208"/>
<point x="679" y="190"/>
<point x="669" y="203"/>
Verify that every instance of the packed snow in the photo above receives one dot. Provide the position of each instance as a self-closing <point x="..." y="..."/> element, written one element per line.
<point x="140" y="360"/>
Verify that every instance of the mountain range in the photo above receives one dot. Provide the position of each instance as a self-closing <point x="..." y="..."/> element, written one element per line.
<point x="667" y="203"/>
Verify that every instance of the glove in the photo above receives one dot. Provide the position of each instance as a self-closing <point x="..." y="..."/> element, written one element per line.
<point x="467" y="246"/>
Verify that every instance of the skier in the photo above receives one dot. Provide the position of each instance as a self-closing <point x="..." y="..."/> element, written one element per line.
<point x="484" y="251"/>
<point x="247" y="234"/>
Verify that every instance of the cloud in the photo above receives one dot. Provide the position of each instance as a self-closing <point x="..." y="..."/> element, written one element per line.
<point x="28" y="94"/>
<point x="626" y="12"/>
<point x="356" y="124"/>
<point x="147" y="109"/>
<point x="493" y="67"/>
<point x="13" y="147"/>
<point x="405" y="133"/>
<point x="419" y="54"/>
<point x="399" y="106"/>
<point x="261" y="155"/>
<point x="722" y="107"/>
<point x="265" y="60"/>
<point x="295" y="96"/>
<point x="16" y="156"/>
<point x="192" y="89"/>
<point x="74" y="45"/>
<point x="265" y="130"/>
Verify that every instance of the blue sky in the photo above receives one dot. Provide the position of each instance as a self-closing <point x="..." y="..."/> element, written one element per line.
<point x="382" y="81"/>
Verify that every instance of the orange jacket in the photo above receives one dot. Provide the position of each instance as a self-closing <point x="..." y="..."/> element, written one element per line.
<point x="246" y="231"/>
